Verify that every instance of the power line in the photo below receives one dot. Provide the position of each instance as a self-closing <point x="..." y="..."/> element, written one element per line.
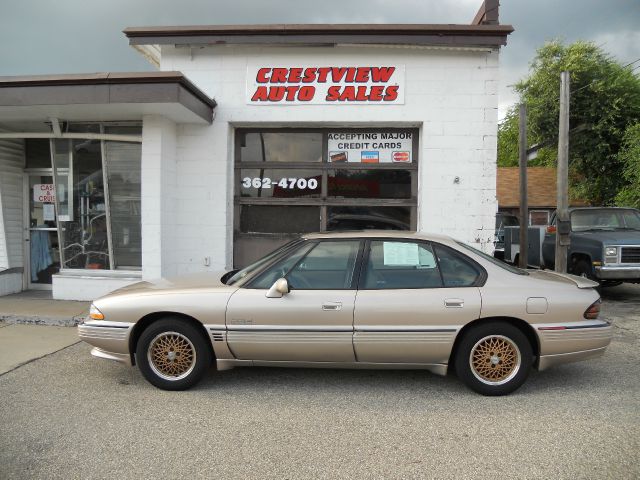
<point x="631" y="63"/>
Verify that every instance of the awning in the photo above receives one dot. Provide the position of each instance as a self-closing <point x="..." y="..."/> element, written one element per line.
<point x="103" y="97"/>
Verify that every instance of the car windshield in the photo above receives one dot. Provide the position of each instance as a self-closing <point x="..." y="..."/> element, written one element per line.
<point x="605" y="219"/>
<point x="258" y="264"/>
<point x="495" y="261"/>
<point x="507" y="221"/>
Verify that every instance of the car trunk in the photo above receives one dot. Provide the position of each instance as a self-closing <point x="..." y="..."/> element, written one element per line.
<point x="579" y="282"/>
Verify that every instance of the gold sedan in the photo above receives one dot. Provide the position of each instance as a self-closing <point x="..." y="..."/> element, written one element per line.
<point x="355" y="300"/>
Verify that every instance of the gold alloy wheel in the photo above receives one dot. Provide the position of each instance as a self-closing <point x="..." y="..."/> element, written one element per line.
<point x="171" y="356"/>
<point x="495" y="359"/>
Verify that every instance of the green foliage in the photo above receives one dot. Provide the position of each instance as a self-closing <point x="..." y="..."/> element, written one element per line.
<point x="605" y="98"/>
<point x="629" y="156"/>
<point x="508" y="139"/>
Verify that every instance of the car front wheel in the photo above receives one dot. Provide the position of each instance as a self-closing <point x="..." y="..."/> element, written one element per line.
<point x="173" y="354"/>
<point x="494" y="358"/>
<point x="582" y="268"/>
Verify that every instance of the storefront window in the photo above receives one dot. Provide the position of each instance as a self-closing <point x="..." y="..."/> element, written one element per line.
<point x="37" y="153"/>
<point x="124" y="179"/>
<point x="98" y="224"/>
<point x="361" y="179"/>
<point x="280" y="183"/>
<point x="279" y="219"/>
<point x="368" y="218"/>
<point x="82" y="214"/>
<point x="369" y="183"/>
<point x="280" y="147"/>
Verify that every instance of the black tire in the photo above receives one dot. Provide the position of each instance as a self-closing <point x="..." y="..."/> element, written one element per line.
<point x="582" y="268"/>
<point x="173" y="354"/>
<point x="506" y="368"/>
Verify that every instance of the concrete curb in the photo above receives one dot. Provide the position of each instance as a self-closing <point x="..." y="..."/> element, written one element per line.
<point x="40" y="320"/>
<point x="27" y="362"/>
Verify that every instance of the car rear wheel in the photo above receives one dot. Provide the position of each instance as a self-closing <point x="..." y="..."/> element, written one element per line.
<point x="173" y="354"/>
<point x="494" y="358"/>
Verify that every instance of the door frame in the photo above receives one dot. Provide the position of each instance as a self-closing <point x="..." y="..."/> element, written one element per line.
<point x="26" y="228"/>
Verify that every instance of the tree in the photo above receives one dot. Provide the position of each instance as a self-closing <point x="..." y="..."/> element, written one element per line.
<point x="629" y="156"/>
<point x="605" y="99"/>
<point x="508" y="132"/>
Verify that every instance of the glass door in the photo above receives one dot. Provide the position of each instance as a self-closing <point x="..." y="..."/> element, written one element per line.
<point x="43" y="250"/>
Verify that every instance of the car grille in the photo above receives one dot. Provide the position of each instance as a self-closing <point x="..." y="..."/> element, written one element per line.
<point x="630" y="255"/>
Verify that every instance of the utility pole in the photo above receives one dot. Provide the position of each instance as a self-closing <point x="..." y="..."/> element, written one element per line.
<point x="524" y="204"/>
<point x="562" y="215"/>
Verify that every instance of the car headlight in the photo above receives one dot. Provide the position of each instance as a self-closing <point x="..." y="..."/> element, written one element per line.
<point x="611" y="252"/>
<point x="94" y="313"/>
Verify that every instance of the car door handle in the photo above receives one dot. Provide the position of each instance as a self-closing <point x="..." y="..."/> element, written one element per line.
<point x="332" y="306"/>
<point x="454" y="303"/>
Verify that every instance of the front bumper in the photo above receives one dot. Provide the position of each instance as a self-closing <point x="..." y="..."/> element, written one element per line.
<point x="618" y="272"/>
<point x="110" y="339"/>
<point x="117" y="357"/>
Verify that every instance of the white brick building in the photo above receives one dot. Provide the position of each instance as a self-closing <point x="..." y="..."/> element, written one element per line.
<point x="153" y="177"/>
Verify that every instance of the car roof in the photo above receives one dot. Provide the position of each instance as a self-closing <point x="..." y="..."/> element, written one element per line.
<point x="601" y="208"/>
<point x="378" y="234"/>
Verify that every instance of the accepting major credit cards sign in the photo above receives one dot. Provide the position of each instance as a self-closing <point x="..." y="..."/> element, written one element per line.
<point x="370" y="147"/>
<point x="325" y="85"/>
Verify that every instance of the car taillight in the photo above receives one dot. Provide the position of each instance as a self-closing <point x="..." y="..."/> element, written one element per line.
<point x="593" y="311"/>
<point x="551" y="229"/>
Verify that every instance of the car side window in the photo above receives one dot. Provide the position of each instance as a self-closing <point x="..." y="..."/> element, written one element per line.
<point x="329" y="266"/>
<point x="456" y="270"/>
<point x="397" y="264"/>
<point x="280" y="268"/>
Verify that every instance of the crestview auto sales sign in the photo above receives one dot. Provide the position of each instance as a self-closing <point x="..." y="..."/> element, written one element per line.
<point x="325" y="85"/>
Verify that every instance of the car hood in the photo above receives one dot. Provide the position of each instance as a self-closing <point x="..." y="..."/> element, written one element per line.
<point x="612" y="237"/>
<point x="565" y="278"/>
<point x="193" y="281"/>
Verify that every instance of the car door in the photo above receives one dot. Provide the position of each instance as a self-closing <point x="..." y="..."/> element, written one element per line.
<point x="413" y="298"/>
<point x="311" y="323"/>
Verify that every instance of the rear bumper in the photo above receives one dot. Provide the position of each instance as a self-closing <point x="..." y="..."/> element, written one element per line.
<point x="618" y="272"/>
<point x="572" y="342"/>
<point x="547" y="361"/>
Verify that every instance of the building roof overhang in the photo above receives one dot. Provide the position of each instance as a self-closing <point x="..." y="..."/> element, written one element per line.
<point x="484" y="33"/>
<point x="475" y="35"/>
<point x="103" y="97"/>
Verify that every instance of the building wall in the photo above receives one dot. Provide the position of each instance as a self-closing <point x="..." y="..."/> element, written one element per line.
<point x="158" y="196"/>
<point x="11" y="213"/>
<point x="451" y="95"/>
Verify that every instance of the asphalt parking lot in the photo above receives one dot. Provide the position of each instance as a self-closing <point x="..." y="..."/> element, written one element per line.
<point x="70" y="416"/>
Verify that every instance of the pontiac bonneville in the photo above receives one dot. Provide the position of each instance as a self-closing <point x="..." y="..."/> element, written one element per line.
<point x="371" y="299"/>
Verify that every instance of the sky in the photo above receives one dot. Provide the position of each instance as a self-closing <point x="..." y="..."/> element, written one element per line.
<point x="81" y="36"/>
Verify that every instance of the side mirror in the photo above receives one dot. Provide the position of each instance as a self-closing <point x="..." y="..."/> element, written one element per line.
<point x="279" y="288"/>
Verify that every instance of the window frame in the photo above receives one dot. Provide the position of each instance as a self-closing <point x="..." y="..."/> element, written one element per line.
<point x="480" y="281"/>
<point x="324" y="201"/>
<point x="90" y="128"/>
<point x="482" y="272"/>
<point x="357" y="267"/>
